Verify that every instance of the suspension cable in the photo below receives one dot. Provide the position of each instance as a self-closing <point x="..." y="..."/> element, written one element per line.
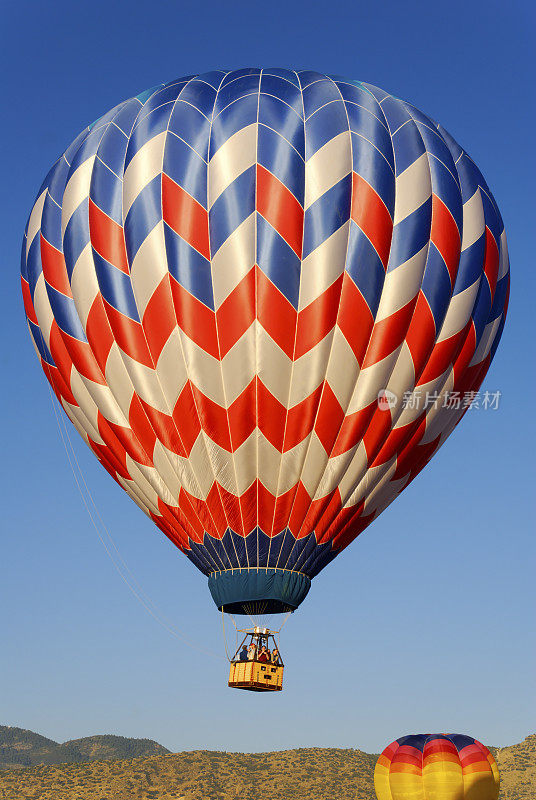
<point x="224" y="635"/>
<point x="284" y="622"/>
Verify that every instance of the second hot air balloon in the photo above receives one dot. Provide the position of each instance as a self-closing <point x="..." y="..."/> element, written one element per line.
<point x="436" y="767"/>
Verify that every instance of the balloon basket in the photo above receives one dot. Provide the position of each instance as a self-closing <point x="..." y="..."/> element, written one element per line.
<point x="257" y="665"/>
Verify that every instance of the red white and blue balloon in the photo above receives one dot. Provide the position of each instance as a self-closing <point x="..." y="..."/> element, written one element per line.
<point x="246" y="289"/>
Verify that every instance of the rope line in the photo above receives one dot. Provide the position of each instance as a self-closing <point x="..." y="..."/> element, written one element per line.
<point x="224" y="635"/>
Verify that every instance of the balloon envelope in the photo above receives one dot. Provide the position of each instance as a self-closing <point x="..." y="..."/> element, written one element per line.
<point x="438" y="767"/>
<point x="263" y="298"/>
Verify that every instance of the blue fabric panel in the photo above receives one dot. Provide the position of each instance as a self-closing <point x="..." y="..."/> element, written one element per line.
<point x="192" y="126"/>
<point x="278" y="261"/>
<point x="283" y="158"/>
<point x="65" y="313"/>
<point x="364" y="266"/>
<point x="411" y="235"/>
<point x="232" y="207"/>
<point x="188" y="267"/>
<point x="115" y="287"/>
<point x="144" y="213"/>
<point x="186" y="167"/>
<point x="76" y="236"/>
<point x="106" y="191"/>
<point x="327" y="215"/>
<point x="232" y="119"/>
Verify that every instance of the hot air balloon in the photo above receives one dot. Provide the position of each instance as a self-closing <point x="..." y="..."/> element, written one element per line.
<point x="262" y="298"/>
<point x="436" y="767"/>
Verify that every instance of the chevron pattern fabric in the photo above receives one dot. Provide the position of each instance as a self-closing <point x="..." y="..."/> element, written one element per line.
<point x="242" y="287"/>
<point x="436" y="767"/>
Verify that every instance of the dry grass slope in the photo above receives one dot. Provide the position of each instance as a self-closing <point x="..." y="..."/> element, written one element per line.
<point x="313" y="774"/>
<point x="517" y="765"/>
<point x="288" y="775"/>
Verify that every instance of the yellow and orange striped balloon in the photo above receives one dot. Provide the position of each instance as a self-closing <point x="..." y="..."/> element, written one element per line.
<point x="436" y="767"/>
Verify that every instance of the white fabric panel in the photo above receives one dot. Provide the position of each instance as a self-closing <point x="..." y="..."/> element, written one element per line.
<point x="146" y="165"/>
<point x="290" y="467"/>
<point x="84" y="284"/>
<point x="76" y="191"/>
<point x="269" y="463"/>
<point x="34" y="223"/>
<point x="229" y="265"/>
<point x="369" y="380"/>
<point x="384" y="492"/>
<point x="145" y="486"/>
<point x="402" y="284"/>
<point x="447" y="426"/>
<point x="274" y="366"/>
<point x="83" y="425"/>
<point x="199" y="478"/>
<point x="106" y="402"/>
<point x="203" y="370"/>
<point x="171" y="468"/>
<point x="70" y="411"/>
<point x="319" y="270"/>
<point x="149" y="481"/>
<point x="402" y="378"/>
<point x="315" y="460"/>
<point x="459" y="311"/>
<point x="504" y="262"/>
<point x="438" y="416"/>
<point x="304" y="381"/>
<point x="343" y="368"/>
<point x="149" y="267"/>
<point x="232" y="159"/>
<point x="245" y="462"/>
<point x="84" y="398"/>
<point x="359" y="489"/>
<point x="413" y="188"/>
<point x="233" y="260"/>
<point x="145" y="382"/>
<point x="473" y="220"/>
<point x="332" y="472"/>
<point x="171" y="369"/>
<point x="118" y="378"/>
<point x="236" y="374"/>
<point x="136" y="495"/>
<point x="42" y="308"/>
<point x="488" y="337"/>
<point x="323" y="266"/>
<point x="238" y="365"/>
<point x="309" y="372"/>
<point x="38" y="354"/>
<point x="416" y="402"/>
<point x="327" y="167"/>
<point x="351" y="468"/>
<point x="222" y="465"/>
<point x="177" y="471"/>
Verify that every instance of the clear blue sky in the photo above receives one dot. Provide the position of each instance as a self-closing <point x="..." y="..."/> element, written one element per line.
<point x="426" y="622"/>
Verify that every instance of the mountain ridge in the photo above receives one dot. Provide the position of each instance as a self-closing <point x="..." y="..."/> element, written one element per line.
<point x="20" y="747"/>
